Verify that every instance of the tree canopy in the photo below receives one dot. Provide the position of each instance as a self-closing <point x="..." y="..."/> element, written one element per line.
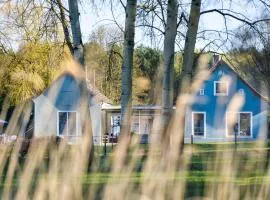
<point x="27" y="72"/>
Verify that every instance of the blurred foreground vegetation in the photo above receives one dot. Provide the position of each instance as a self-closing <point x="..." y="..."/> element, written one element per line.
<point x="210" y="169"/>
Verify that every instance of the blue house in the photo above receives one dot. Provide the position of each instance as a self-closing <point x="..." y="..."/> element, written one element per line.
<point x="226" y="106"/>
<point x="58" y="109"/>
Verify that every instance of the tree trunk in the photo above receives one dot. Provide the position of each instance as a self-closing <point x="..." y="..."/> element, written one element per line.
<point x="188" y="60"/>
<point x="76" y="31"/>
<point x="126" y="97"/>
<point x="168" y="55"/>
<point x="78" y="54"/>
<point x="64" y="25"/>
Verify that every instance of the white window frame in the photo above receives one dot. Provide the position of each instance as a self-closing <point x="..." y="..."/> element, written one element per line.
<point x="77" y="120"/>
<point x="192" y="123"/>
<point x="201" y="92"/>
<point x="221" y="94"/>
<point x="238" y="119"/>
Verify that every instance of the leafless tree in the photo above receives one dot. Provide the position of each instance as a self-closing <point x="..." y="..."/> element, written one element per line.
<point x="168" y="56"/>
<point x="76" y="31"/>
<point x="190" y="42"/>
<point x="129" y="34"/>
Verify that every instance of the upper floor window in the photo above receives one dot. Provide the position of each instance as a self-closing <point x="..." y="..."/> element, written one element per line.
<point x="201" y="92"/>
<point x="221" y="73"/>
<point x="241" y="91"/>
<point x="221" y="88"/>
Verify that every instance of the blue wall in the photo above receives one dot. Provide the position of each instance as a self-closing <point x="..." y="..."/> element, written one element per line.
<point x="68" y="94"/>
<point x="64" y="95"/>
<point x="215" y="107"/>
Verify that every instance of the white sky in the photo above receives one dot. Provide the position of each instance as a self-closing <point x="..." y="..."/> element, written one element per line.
<point x="94" y="16"/>
<point x="91" y="18"/>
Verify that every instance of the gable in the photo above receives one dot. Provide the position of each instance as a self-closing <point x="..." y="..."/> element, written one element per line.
<point x="68" y="92"/>
<point x="208" y="100"/>
<point x="222" y="68"/>
<point x="218" y="108"/>
<point x="63" y="93"/>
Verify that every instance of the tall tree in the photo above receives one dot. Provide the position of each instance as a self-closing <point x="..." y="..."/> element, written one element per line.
<point x="76" y="31"/>
<point x="168" y="55"/>
<point x="126" y="96"/>
<point x="27" y="72"/>
<point x="64" y="23"/>
<point x="78" y="54"/>
<point x="188" y="60"/>
<point x="190" y="42"/>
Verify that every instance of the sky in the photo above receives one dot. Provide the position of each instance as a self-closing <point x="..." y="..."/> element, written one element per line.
<point x="92" y="17"/>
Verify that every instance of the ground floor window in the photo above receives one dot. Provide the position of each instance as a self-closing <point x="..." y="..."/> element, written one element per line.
<point x="198" y="123"/>
<point x="239" y="123"/>
<point x="141" y="123"/>
<point x="115" y="124"/>
<point x="67" y="123"/>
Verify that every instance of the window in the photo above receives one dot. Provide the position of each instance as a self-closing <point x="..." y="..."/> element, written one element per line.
<point x="201" y="92"/>
<point x="220" y="88"/>
<point x="242" y="125"/>
<point x="221" y="73"/>
<point x="115" y="124"/>
<point x="241" y="91"/>
<point x="198" y="123"/>
<point x="67" y="123"/>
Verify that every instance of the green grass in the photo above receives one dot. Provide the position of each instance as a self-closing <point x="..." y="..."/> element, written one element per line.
<point x="190" y="177"/>
<point x="199" y="174"/>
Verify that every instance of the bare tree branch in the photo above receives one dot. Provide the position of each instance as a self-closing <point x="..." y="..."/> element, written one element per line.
<point x="250" y="23"/>
<point x="114" y="19"/>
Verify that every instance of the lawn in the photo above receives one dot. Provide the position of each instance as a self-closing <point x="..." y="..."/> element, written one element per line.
<point x="203" y="169"/>
<point x="246" y="167"/>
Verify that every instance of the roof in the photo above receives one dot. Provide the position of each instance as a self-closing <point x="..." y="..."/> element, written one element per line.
<point x="260" y="91"/>
<point x="97" y="94"/>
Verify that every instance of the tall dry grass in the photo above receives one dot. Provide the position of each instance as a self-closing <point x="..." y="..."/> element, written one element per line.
<point x="164" y="169"/>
